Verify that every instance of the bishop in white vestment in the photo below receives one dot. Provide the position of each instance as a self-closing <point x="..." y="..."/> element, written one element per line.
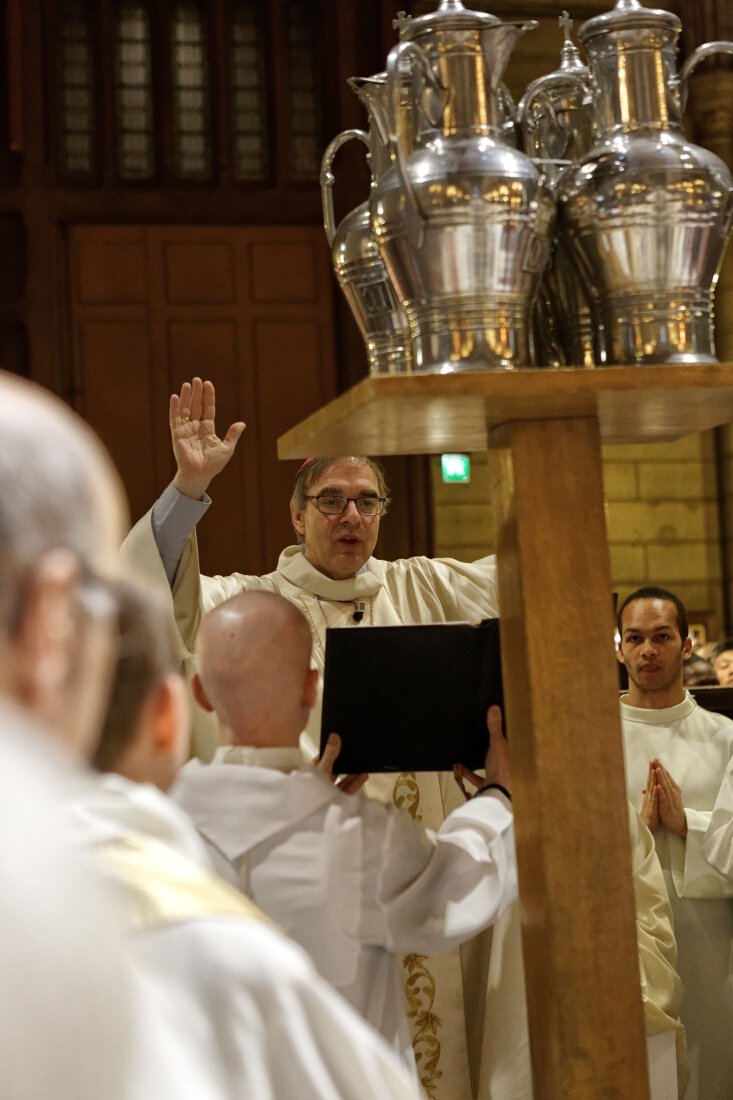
<point x="327" y="577"/>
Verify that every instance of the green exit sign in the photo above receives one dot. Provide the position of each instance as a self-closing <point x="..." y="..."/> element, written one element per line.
<point x="456" y="469"/>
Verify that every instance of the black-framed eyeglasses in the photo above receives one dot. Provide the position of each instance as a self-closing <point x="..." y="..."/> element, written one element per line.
<point x="333" y="504"/>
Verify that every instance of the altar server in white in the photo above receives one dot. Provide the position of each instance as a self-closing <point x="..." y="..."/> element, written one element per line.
<point x="352" y="880"/>
<point x="332" y="576"/>
<point x="239" y="1010"/>
<point x="676" y="758"/>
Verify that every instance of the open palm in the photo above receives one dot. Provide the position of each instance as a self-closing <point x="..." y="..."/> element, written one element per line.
<point x="199" y="452"/>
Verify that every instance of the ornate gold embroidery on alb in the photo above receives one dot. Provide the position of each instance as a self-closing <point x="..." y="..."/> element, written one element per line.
<point x="406" y="794"/>
<point x="420" y="993"/>
<point x="419" y="983"/>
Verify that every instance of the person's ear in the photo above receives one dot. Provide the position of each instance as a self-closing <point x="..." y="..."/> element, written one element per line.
<point x="687" y="648"/>
<point x="199" y="694"/>
<point x="619" y="655"/>
<point x="171" y="718"/>
<point x="310" y="688"/>
<point x="296" y="515"/>
<point x="44" y="641"/>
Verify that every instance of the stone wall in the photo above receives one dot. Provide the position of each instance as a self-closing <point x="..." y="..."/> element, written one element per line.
<point x="662" y="513"/>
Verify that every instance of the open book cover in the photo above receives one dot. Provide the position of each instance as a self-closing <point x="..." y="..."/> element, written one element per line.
<point x="411" y="698"/>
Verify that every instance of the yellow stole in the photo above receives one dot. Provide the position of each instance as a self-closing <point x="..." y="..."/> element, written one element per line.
<point x="159" y="886"/>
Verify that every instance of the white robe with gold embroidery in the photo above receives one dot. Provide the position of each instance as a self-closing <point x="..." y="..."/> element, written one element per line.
<point x="237" y="1009"/>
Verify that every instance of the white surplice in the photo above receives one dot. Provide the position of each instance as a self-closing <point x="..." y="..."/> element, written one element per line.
<point x="66" y="991"/>
<point x="355" y="882"/>
<point x="695" y="746"/>
<point x="718" y="841"/>
<point x="445" y="993"/>
<point x="238" y="1009"/>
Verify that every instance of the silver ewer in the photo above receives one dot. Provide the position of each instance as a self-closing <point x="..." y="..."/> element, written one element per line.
<point x="356" y="258"/>
<point x="646" y="213"/>
<point x="463" y="219"/>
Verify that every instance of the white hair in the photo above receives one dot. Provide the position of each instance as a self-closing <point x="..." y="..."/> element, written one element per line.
<point x="52" y="492"/>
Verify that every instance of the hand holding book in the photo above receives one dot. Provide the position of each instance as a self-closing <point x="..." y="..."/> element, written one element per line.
<point x="497" y="760"/>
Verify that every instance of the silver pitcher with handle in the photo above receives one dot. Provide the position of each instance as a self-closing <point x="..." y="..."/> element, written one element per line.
<point x="463" y="219"/>
<point x="646" y="213"/>
<point x="356" y="258"/>
<point x="555" y="121"/>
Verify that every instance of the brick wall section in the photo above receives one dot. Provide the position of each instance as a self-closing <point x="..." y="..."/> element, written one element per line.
<point x="663" y="520"/>
<point x="662" y="514"/>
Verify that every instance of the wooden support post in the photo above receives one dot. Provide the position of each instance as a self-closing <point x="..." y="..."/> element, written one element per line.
<point x="579" y="939"/>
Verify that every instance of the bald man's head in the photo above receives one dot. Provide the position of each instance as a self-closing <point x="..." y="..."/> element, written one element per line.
<point x="254" y="655"/>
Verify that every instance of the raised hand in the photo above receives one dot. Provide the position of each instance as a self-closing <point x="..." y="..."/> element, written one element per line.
<point x="200" y="454"/>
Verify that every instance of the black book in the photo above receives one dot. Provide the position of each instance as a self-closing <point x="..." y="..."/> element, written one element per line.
<point x="411" y="698"/>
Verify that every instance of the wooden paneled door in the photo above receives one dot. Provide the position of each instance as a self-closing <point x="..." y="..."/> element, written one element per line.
<point x="250" y="307"/>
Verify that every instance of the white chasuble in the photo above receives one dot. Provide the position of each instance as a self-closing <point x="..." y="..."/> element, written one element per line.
<point x="695" y="746"/>
<point x="233" y="1008"/>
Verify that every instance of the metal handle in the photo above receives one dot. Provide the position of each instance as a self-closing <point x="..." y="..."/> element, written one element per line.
<point x="414" y="216"/>
<point x="539" y="91"/>
<point x="328" y="179"/>
<point x="698" y="55"/>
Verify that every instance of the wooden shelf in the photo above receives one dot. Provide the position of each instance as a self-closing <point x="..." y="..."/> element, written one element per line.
<point x="429" y="414"/>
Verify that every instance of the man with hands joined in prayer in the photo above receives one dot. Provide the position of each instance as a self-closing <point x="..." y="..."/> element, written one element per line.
<point x="676" y="756"/>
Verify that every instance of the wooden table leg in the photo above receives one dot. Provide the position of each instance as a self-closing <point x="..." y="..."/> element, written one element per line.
<point x="585" y="1012"/>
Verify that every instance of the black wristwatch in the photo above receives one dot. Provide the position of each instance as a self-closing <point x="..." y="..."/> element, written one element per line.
<point x="494" y="787"/>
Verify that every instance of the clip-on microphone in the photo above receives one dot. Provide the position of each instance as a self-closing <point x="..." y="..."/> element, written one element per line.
<point x="358" y="615"/>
